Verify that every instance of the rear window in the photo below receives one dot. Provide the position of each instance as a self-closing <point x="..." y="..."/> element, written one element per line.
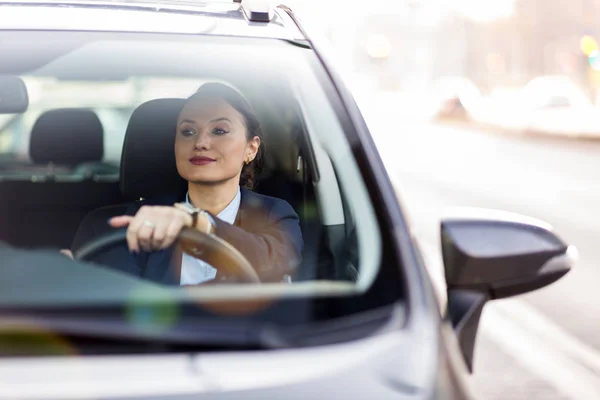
<point x="112" y="102"/>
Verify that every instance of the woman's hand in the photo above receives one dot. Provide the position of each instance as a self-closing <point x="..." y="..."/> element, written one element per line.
<point x="153" y="227"/>
<point x="67" y="253"/>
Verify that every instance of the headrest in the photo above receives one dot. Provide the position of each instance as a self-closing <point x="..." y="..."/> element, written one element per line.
<point x="67" y="136"/>
<point x="148" y="166"/>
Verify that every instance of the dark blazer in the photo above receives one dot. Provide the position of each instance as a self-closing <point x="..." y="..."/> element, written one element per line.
<point x="266" y="231"/>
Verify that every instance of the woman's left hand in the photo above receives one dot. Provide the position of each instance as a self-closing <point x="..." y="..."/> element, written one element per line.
<point x="67" y="253"/>
<point x="153" y="227"/>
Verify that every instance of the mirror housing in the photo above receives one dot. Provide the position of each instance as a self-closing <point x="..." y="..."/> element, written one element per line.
<point x="13" y="95"/>
<point x="491" y="254"/>
<point x="502" y="254"/>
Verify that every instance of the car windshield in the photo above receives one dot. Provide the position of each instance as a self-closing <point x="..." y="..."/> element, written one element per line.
<point x="92" y="142"/>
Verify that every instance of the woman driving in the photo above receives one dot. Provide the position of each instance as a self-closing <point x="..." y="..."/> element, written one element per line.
<point x="217" y="147"/>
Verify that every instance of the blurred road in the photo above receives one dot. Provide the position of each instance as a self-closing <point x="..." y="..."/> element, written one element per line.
<point x="543" y="345"/>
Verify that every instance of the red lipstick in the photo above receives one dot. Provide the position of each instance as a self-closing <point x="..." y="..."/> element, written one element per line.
<point x="201" y="160"/>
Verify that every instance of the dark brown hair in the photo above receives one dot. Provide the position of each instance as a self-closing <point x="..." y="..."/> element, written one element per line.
<point x="252" y="170"/>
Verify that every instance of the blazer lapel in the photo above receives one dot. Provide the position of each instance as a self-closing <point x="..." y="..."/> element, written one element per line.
<point x="239" y="217"/>
<point x="248" y="200"/>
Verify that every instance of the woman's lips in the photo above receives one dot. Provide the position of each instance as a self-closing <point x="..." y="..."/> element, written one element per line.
<point x="201" y="160"/>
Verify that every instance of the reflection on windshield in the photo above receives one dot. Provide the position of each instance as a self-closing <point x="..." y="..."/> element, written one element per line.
<point x="187" y="176"/>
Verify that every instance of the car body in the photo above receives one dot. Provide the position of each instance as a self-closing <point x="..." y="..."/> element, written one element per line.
<point x="366" y="321"/>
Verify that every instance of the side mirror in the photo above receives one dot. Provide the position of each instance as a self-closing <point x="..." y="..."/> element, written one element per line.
<point x="492" y="254"/>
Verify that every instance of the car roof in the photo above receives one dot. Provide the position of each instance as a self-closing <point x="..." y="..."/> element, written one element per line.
<point x="170" y="16"/>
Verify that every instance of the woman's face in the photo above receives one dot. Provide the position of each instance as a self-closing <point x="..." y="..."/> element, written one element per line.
<point x="211" y="144"/>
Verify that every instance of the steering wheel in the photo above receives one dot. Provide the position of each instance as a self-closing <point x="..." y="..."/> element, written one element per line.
<point x="209" y="248"/>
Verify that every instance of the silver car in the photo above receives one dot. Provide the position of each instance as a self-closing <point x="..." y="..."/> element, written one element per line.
<point x="359" y="317"/>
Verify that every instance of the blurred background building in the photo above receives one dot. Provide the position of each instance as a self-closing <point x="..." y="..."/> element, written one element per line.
<point x="503" y="43"/>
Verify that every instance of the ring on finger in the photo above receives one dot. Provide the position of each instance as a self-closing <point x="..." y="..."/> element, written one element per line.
<point x="149" y="224"/>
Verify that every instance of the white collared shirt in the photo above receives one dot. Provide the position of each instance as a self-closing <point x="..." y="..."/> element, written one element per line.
<point x="193" y="270"/>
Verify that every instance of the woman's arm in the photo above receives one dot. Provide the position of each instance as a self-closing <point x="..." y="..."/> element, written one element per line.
<point x="273" y="244"/>
<point x="275" y="248"/>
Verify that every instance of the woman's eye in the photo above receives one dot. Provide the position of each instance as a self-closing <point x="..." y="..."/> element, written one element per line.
<point x="219" y="131"/>
<point x="187" y="132"/>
